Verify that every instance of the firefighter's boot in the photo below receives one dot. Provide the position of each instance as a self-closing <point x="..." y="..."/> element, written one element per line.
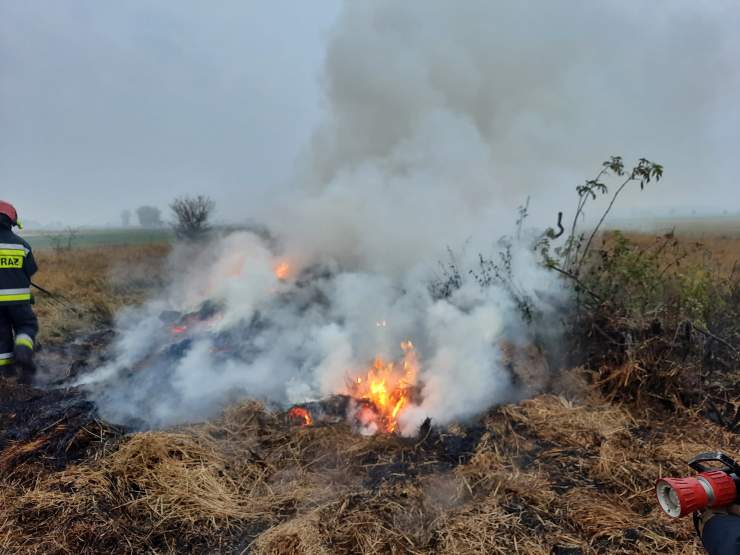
<point x="24" y="363"/>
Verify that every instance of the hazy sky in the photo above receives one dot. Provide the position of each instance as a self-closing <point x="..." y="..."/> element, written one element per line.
<point x="109" y="105"/>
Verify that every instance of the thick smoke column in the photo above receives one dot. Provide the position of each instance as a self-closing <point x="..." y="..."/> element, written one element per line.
<point x="439" y="118"/>
<point x="443" y="116"/>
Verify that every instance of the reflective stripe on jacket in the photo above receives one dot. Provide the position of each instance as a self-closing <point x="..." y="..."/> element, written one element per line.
<point x="17" y="266"/>
<point x="10" y="295"/>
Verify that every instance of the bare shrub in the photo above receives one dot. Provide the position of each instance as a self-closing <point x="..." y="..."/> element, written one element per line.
<point x="64" y="241"/>
<point x="192" y="215"/>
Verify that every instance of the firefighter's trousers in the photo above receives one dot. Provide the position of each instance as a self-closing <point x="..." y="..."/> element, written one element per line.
<point x="18" y="330"/>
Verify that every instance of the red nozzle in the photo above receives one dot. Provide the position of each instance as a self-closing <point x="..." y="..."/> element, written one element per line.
<point x="682" y="496"/>
<point x="722" y="486"/>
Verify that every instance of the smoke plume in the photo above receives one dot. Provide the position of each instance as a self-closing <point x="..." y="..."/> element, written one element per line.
<point x="440" y="119"/>
<point x="230" y="328"/>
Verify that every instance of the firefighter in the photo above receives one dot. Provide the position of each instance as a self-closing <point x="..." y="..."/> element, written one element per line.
<point x="18" y="323"/>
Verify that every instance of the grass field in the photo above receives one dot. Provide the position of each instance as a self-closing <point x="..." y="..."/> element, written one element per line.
<point x="95" y="282"/>
<point x="695" y="227"/>
<point x="720" y="251"/>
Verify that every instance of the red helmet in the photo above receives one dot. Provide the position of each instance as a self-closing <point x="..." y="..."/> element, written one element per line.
<point x="9" y="210"/>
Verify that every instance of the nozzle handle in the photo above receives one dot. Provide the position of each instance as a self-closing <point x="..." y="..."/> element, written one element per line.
<point x="698" y="463"/>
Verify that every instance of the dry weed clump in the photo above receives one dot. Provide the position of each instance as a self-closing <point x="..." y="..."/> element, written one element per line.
<point x="628" y="463"/>
<point x="177" y="477"/>
<point x="490" y="474"/>
<point x="564" y="423"/>
<point x="601" y="516"/>
<point x="298" y="535"/>
<point x="657" y="324"/>
<point x="391" y="519"/>
<point x="488" y="528"/>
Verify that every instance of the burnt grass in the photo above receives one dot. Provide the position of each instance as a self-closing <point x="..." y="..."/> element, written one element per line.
<point x="566" y="472"/>
<point x="56" y="427"/>
<point x="429" y="453"/>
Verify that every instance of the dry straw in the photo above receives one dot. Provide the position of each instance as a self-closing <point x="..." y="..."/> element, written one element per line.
<point x="545" y="473"/>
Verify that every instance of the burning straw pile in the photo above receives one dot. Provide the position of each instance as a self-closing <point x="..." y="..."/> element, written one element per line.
<point x="545" y="476"/>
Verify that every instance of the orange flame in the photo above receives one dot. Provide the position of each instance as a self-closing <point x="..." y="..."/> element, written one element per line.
<point x="385" y="390"/>
<point x="177" y="330"/>
<point x="299" y="413"/>
<point x="282" y="270"/>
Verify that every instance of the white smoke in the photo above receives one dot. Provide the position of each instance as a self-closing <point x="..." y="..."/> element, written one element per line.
<point x="300" y="338"/>
<point x="440" y="120"/>
<point x="486" y="102"/>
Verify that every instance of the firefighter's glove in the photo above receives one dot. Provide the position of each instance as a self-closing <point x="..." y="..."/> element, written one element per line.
<point x="707" y="514"/>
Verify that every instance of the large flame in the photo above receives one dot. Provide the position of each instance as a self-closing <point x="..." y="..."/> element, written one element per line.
<point x="384" y="391"/>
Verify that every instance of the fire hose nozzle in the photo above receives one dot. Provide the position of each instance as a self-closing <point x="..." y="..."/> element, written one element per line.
<point x="710" y="488"/>
<point x="682" y="496"/>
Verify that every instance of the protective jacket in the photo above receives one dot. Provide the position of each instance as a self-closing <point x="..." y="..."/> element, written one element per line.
<point x="17" y="266"/>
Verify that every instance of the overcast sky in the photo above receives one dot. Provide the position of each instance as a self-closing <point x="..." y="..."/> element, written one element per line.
<point x="108" y="105"/>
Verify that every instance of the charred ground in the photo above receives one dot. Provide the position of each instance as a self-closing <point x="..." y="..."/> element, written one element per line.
<point x="570" y="470"/>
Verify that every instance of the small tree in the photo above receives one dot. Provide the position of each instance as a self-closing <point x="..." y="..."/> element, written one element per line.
<point x="64" y="241"/>
<point x="126" y="218"/>
<point x="191" y="216"/>
<point x="149" y="216"/>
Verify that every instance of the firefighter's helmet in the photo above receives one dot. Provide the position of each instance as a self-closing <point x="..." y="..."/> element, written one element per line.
<point x="9" y="210"/>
